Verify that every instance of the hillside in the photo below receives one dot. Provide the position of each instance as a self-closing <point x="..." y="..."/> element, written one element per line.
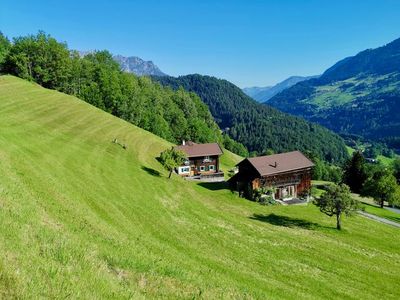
<point x="259" y="127"/>
<point x="98" y="79"/>
<point x="263" y="94"/>
<point x="358" y="95"/>
<point x="82" y="217"/>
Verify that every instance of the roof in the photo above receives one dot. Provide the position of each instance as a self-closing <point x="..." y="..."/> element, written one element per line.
<point x="280" y="163"/>
<point x="195" y="150"/>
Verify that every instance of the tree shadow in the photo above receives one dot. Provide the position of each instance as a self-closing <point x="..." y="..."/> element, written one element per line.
<point x="151" y="171"/>
<point x="287" y="222"/>
<point x="215" y="186"/>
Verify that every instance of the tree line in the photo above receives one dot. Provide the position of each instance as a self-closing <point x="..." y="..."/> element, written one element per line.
<point x="373" y="180"/>
<point x="97" y="79"/>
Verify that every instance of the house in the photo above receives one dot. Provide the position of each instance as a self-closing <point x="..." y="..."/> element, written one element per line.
<point x="289" y="173"/>
<point x="202" y="160"/>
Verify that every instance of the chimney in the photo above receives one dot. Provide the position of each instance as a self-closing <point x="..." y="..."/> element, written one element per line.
<point x="183" y="143"/>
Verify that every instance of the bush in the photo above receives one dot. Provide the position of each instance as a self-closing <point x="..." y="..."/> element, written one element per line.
<point x="264" y="196"/>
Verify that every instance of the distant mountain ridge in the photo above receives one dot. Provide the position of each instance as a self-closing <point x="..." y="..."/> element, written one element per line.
<point x="138" y="66"/>
<point x="263" y="94"/>
<point x="134" y="64"/>
<point x="357" y="95"/>
<point x="254" y="90"/>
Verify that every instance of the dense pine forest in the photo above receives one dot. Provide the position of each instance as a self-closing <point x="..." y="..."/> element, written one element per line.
<point x="99" y="80"/>
<point x="261" y="128"/>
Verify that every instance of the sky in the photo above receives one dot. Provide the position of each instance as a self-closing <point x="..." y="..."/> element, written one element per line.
<point x="250" y="43"/>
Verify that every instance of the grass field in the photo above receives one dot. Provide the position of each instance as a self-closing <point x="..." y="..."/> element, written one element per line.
<point x="369" y="206"/>
<point x="83" y="218"/>
<point x="381" y="212"/>
<point x="387" y="161"/>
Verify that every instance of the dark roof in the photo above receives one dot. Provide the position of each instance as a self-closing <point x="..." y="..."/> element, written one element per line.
<point x="195" y="150"/>
<point x="280" y="163"/>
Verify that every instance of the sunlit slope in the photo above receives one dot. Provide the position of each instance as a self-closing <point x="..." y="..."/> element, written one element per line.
<point x="81" y="217"/>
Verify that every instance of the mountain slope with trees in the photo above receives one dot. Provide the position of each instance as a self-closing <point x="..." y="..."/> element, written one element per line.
<point x="99" y="80"/>
<point x="359" y="95"/>
<point x="259" y="127"/>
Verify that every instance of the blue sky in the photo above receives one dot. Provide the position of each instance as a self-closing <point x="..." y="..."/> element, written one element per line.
<point x="251" y="43"/>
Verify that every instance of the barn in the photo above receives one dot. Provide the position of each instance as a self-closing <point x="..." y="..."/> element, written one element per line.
<point x="288" y="173"/>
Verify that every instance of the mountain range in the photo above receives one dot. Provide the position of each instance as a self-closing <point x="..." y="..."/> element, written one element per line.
<point x="358" y="95"/>
<point x="263" y="94"/>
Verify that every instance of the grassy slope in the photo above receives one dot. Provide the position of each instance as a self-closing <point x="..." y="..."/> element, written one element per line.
<point x="334" y="94"/>
<point x="83" y="218"/>
<point x="371" y="207"/>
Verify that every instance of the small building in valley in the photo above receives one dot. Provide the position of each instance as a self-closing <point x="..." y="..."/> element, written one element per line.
<point x="202" y="160"/>
<point x="288" y="173"/>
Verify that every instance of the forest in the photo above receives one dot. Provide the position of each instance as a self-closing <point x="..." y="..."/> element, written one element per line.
<point x="261" y="128"/>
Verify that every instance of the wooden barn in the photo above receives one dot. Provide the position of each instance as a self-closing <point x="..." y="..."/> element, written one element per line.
<point x="289" y="173"/>
<point x="202" y="160"/>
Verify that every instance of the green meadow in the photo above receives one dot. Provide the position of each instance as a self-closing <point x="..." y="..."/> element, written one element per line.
<point x="82" y="217"/>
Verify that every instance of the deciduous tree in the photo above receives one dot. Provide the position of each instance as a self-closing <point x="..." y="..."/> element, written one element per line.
<point x="382" y="186"/>
<point x="171" y="159"/>
<point x="337" y="201"/>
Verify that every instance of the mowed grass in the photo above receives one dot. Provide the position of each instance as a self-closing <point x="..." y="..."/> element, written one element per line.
<point x="81" y="217"/>
<point x="369" y="206"/>
<point x="381" y="212"/>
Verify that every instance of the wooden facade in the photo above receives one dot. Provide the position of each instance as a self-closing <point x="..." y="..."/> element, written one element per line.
<point x="288" y="182"/>
<point x="203" y="165"/>
<point x="202" y="160"/>
<point x="287" y="185"/>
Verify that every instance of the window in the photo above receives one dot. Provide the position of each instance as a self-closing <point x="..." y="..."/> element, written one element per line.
<point x="206" y="159"/>
<point x="184" y="170"/>
<point x="202" y="168"/>
<point x="212" y="167"/>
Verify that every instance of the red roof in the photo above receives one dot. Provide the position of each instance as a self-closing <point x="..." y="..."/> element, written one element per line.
<point x="280" y="163"/>
<point x="195" y="150"/>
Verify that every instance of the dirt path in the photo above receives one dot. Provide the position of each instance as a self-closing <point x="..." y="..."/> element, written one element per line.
<point x="379" y="219"/>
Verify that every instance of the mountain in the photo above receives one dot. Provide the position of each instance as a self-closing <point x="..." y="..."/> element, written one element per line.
<point x="259" y="127"/>
<point x="252" y="91"/>
<point x="138" y="66"/>
<point x="358" y="95"/>
<point x="263" y="94"/>
<point x="84" y="218"/>
<point x="132" y="64"/>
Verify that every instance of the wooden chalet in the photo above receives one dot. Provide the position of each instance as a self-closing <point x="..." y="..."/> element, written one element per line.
<point x="289" y="173"/>
<point x="202" y="160"/>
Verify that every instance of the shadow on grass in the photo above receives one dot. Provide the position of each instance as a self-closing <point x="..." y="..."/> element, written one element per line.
<point x="287" y="222"/>
<point x="215" y="186"/>
<point x="151" y="171"/>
